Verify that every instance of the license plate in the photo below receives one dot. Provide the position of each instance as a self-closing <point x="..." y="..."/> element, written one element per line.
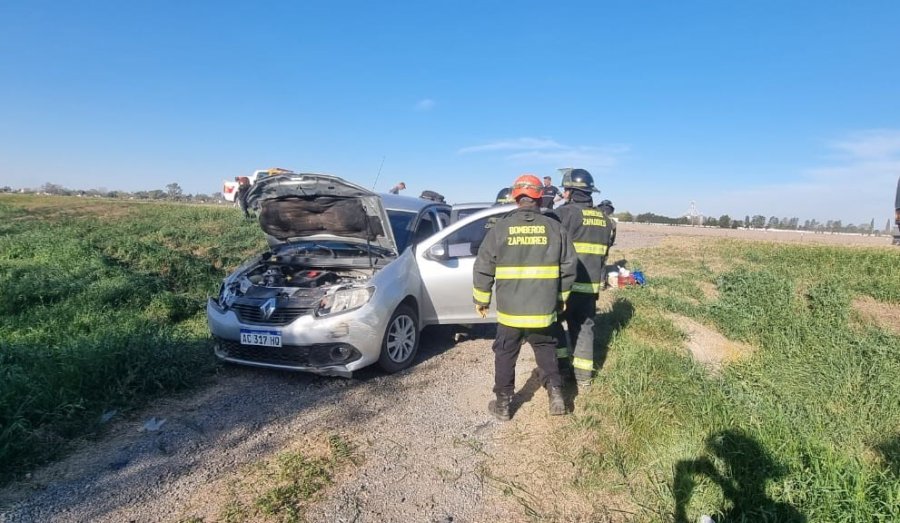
<point x="261" y="338"/>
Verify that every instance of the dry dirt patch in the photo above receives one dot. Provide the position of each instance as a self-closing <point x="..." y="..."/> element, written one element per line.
<point x="707" y="346"/>
<point x="652" y="233"/>
<point x="884" y="315"/>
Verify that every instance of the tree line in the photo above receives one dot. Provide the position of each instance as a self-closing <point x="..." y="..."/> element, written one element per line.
<point x="172" y="192"/>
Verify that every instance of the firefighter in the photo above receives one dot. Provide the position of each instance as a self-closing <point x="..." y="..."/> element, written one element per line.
<point x="590" y="230"/>
<point x="241" y="195"/>
<point x="533" y="262"/>
<point x="503" y="196"/>
<point x="607" y="207"/>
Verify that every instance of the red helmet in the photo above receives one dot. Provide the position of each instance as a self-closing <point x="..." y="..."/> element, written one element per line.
<point x="527" y="185"/>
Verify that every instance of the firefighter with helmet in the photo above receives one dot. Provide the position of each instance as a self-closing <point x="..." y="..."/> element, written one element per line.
<point x="590" y="230"/>
<point x="607" y="207"/>
<point x="503" y="196"/>
<point x="532" y="261"/>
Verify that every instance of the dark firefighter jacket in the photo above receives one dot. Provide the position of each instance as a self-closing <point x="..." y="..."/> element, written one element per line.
<point x="591" y="232"/>
<point x="533" y="262"/>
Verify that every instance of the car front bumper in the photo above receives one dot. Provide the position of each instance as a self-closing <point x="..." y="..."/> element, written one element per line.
<point x="309" y="344"/>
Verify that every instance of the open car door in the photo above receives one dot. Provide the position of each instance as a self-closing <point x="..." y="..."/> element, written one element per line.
<point x="445" y="262"/>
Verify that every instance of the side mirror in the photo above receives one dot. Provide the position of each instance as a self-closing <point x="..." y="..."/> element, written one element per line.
<point x="437" y="252"/>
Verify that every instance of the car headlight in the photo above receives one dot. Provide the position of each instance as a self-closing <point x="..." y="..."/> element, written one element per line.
<point x="227" y="295"/>
<point x="344" y="300"/>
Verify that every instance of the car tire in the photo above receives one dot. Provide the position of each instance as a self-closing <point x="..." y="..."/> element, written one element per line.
<point x="401" y="340"/>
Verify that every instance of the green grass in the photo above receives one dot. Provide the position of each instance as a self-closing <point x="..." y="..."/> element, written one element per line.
<point x="285" y="486"/>
<point x="804" y="429"/>
<point x="101" y="308"/>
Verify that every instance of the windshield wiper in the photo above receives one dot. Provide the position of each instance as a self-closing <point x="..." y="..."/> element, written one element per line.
<point x="370" y="249"/>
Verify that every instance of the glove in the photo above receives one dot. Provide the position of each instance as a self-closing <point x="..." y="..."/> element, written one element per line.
<point x="482" y="310"/>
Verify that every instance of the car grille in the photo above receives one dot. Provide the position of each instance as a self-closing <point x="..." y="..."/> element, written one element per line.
<point x="286" y="355"/>
<point x="282" y="316"/>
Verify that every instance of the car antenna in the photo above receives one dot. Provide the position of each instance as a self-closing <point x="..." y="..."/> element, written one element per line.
<point x="379" y="172"/>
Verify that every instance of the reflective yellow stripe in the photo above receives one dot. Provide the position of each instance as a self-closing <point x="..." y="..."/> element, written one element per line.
<point x="481" y="296"/>
<point x="562" y="352"/>
<point x="590" y="248"/>
<point x="587" y="288"/>
<point x="526" y="321"/>
<point x="583" y="364"/>
<point x="527" y="273"/>
<point x="563" y="296"/>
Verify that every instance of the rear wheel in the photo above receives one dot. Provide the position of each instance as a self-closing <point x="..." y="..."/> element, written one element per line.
<point x="401" y="340"/>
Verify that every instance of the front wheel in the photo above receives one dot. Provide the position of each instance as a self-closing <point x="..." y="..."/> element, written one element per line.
<point x="401" y="340"/>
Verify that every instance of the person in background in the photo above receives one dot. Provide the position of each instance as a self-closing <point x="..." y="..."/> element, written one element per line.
<point x="241" y="194"/>
<point x="549" y="194"/>
<point x="607" y="207"/>
<point x="589" y="228"/>
<point x="532" y="261"/>
<point x="397" y="188"/>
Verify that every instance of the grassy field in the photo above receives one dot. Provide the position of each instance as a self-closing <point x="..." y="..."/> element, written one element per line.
<point x="101" y="308"/>
<point x="805" y="426"/>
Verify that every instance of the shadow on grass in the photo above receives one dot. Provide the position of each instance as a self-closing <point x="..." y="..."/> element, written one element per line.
<point x="606" y="325"/>
<point x="748" y="467"/>
<point x="890" y="452"/>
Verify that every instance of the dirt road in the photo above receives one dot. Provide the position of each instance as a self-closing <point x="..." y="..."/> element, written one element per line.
<point x="644" y="234"/>
<point x="427" y="449"/>
<point x="427" y="446"/>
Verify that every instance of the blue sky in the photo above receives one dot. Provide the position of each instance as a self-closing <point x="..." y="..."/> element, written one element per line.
<point x="763" y="107"/>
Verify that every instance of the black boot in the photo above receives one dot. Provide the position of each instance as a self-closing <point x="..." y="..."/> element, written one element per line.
<point x="557" y="403"/>
<point x="500" y="407"/>
<point x="566" y="371"/>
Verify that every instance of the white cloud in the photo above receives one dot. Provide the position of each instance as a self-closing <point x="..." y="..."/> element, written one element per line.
<point x="549" y="152"/>
<point x="516" y="144"/>
<point x="859" y="184"/>
<point x="871" y="146"/>
<point x="426" y="104"/>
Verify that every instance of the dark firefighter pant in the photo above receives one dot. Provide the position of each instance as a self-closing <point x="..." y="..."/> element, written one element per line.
<point x="580" y="312"/>
<point x="506" y="351"/>
<point x="243" y="203"/>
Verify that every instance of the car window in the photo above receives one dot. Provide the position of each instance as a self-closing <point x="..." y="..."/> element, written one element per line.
<point x="401" y="225"/>
<point x="443" y="217"/>
<point x="425" y="228"/>
<point x="459" y="214"/>
<point x="466" y="241"/>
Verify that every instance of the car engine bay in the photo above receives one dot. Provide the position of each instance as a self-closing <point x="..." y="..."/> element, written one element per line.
<point x="295" y="286"/>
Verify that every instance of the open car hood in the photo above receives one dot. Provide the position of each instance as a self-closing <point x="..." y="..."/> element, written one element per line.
<point x="302" y="206"/>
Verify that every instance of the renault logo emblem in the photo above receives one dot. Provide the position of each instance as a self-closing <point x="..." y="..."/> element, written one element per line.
<point x="267" y="308"/>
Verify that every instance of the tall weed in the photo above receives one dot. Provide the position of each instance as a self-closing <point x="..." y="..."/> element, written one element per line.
<point x="101" y="308"/>
<point x="804" y="429"/>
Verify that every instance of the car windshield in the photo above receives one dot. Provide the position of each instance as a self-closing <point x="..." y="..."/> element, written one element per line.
<point x="401" y="224"/>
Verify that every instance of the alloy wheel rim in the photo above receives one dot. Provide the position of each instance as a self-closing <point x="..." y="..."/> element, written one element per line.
<point x="401" y="339"/>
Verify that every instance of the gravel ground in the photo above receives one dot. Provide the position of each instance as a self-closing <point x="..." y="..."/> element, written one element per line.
<point x="429" y="451"/>
<point x="424" y="437"/>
